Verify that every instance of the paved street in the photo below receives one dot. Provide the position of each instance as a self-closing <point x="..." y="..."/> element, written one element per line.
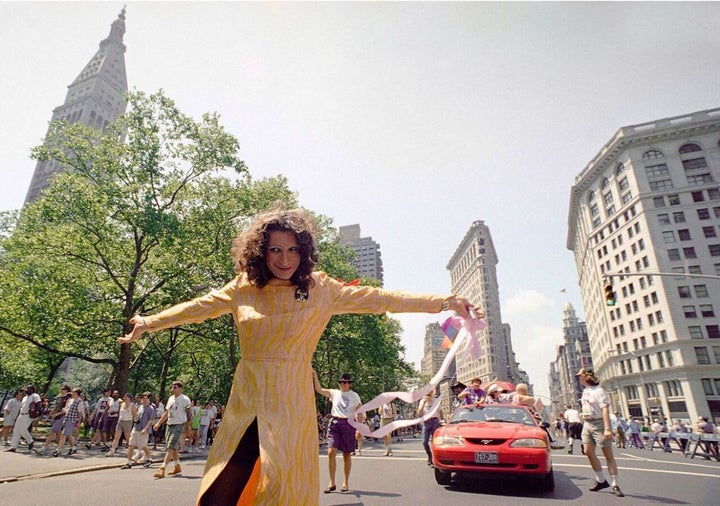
<point x="404" y="479"/>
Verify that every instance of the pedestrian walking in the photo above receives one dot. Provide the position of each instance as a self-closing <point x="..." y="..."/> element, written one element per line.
<point x="387" y="413"/>
<point x="57" y="415"/>
<point x="597" y="430"/>
<point x="177" y="415"/>
<point x="31" y="404"/>
<point x="431" y="424"/>
<point x="70" y="422"/>
<point x="142" y="426"/>
<point x="11" y="410"/>
<point x="281" y="307"/>
<point x="574" y="427"/>
<point x="341" y="435"/>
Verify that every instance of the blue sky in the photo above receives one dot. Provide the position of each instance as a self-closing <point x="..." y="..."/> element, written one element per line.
<point x="411" y="119"/>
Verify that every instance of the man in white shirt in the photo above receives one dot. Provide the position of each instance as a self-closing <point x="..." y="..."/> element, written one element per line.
<point x="574" y="426"/>
<point x="177" y="414"/>
<point x="23" y="421"/>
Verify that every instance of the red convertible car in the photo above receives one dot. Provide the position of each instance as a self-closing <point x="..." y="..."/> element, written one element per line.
<point x="491" y="440"/>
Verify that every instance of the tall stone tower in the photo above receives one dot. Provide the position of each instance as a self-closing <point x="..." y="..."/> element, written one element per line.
<point x="96" y="97"/>
<point x="473" y="275"/>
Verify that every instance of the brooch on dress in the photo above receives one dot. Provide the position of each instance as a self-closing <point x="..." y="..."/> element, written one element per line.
<point x="301" y="294"/>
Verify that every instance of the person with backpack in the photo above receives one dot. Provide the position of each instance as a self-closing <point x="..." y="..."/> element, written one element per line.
<point x="30" y="408"/>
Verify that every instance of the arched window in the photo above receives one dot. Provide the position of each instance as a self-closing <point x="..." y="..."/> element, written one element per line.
<point x="619" y="169"/>
<point x="605" y="183"/>
<point x="591" y="196"/>
<point x="689" y="148"/>
<point x="652" y="154"/>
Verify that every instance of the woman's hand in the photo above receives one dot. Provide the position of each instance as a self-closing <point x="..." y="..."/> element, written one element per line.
<point x="462" y="307"/>
<point x="138" y="330"/>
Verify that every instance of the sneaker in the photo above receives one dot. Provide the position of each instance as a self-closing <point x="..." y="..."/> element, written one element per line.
<point x="88" y="446"/>
<point x="127" y="465"/>
<point x="72" y="451"/>
<point x="599" y="486"/>
<point x="159" y="474"/>
<point x="570" y="451"/>
<point x="390" y="453"/>
<point x="617" y="491"/>
<point x="110" y="453"/>
<point x="55" y="453"/>
<point x="147" y="464"/>
<point x="176" y="470"/>
<point x="41" y="450"/>
<point x="30" y="446"/>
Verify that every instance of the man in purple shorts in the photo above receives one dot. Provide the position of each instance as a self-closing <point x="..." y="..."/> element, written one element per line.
<point x="341" y="435"/>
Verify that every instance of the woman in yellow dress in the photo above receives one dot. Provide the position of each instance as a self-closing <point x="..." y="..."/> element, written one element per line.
<point x="265" y="451"/>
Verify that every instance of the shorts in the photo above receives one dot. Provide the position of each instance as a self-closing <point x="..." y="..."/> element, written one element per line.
<point x="57" y="424"/>
<point x="125" y="426"/>
<point x="138" y="439"/>
<point x="575" y="430"/>
<point x="110" y="423"/>
<point x="593" y="433"/>
<point x="341" y="435"/>
<point x="68" y="427"/>
<point x="174" y="434"/>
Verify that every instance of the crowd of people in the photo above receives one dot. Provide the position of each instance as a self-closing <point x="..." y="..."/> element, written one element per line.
<point x="113" y="422"/>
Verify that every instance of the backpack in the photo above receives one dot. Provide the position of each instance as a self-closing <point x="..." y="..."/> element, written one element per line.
<point x="36" y="409"/>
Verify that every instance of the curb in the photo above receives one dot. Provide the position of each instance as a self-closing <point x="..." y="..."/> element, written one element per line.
<point x="62" y="472"/>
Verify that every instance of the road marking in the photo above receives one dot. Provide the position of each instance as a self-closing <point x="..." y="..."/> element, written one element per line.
<point x="644" y="470"/>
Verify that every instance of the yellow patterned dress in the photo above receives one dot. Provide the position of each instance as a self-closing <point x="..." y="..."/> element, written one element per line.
<point x="278" y="335"/>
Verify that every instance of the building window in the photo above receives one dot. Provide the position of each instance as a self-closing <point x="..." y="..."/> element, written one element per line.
<point x="714" y="250"/>
<point x="684" y="292"/>
<point x="664" y="219"/>
<point x="674" y="200"/>
<point x="659" y="318"/>
<point x="697" y="196"/>
<point x="698" y="180"/>
<point x="690" y="147"/>
<point x="668" y="236"/>
<point x="713" y="331"/>
<point x="716" y="211"/>
<point x="694" y="163"/>
<point x="656" y="170"/>
<point x="674" y="254"/>
<point x="703" y="214"/>
<point x="684" y="235"/>
<point x="709" y="232"/>
<point x="707" y="310"/>
<point x="695" y="332"/>
<point x="652" y="154"/>
<point x="619" y="169"/>
<point x="702" y="355"/>
<point x="610" y="210"/>
<point x="679" y="217"/>
<point x="689" y="252"/>
<point x="689" y="312"/>
<point x="594" y="209"/>
<point x="669" y="357"/>
<point x="659" y="201"/>
<point x="627" y="197"/>
<point x="662" y="184"/>
<point x="707" y="386"/>
<point x="604" y="184"/>
<point x="701" y="291"/>
<point x="694" y="269"/>
<point x="673" y="387"/>
<point x="714" y="193"/>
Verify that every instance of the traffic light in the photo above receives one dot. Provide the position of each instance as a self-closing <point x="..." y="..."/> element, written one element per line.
<point x="610" y="297"/>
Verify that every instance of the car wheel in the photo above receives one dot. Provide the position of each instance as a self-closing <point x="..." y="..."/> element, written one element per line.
<point x="442" y="477"/>
<point x="548" y="482"/>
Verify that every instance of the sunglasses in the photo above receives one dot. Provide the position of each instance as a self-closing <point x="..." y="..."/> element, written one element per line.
<point x="344" y="381"/>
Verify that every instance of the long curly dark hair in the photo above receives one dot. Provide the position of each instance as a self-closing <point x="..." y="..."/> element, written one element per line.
<point x="249" y="247"/>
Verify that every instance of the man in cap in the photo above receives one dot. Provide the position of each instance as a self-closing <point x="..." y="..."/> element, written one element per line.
<point x="597" y="430"/>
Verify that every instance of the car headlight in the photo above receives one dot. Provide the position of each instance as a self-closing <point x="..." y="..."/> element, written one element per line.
<point x="529" y="443"/>
<point x="443" y="440"/>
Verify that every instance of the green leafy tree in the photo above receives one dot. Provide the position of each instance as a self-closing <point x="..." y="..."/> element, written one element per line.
<point x="142" y="215"/>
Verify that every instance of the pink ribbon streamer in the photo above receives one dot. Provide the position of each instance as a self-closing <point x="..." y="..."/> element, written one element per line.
<point x="466" y="342"/>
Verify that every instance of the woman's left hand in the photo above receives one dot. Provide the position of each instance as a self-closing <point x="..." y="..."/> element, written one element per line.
<point x="462" y="307"/>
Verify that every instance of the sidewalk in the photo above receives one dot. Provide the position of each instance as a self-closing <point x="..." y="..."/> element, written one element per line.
<point x="24" y="465"/>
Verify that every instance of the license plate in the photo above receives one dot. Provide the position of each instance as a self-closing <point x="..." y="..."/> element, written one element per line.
<point x="486" y="457"/>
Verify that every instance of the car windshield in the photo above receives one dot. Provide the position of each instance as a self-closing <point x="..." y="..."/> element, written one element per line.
<point x="492" y="413"/>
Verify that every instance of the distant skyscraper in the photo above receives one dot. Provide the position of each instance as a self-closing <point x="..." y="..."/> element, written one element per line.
<point x="573" y="354"/>
<point x="368" y="261"/>
<point x="96" y="97"/>
<point x="473" y="275"/>
<point x="649" y="202"/>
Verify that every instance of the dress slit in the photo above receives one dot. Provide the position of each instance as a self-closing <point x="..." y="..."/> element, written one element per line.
<point x="237" y="482"/>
